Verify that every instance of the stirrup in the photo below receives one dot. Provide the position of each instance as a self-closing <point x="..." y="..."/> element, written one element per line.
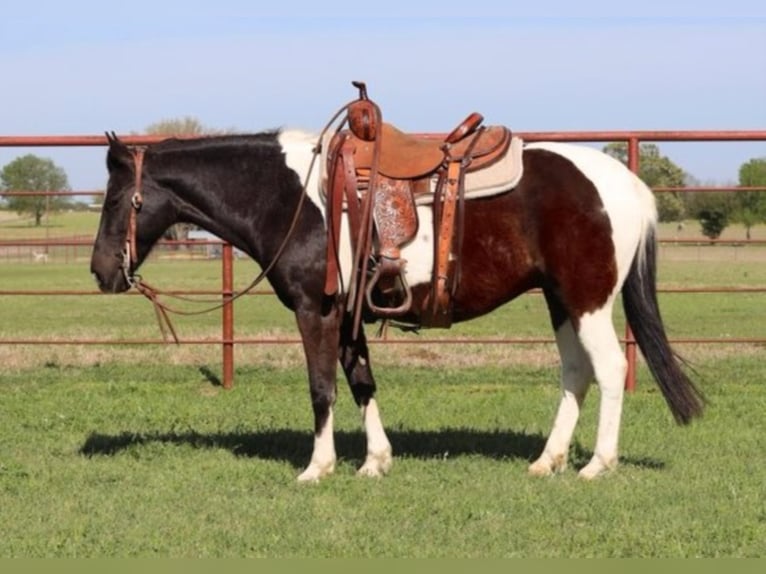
<point x="389" y="311"/>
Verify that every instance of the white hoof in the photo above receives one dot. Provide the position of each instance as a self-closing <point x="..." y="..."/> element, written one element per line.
<point x="597" y="467"/>
<point x="548" y="465"/>
<point x="316" y="471"/>
<point x="377" y="464"/>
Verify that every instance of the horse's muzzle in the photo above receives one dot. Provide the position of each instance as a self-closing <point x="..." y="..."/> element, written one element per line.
<point x="109" y="277"/>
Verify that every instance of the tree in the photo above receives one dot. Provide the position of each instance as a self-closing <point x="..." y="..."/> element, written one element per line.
<point x="183" y="126"/>
<point x="656" y="170"/>
<point x="31" y="173"/>
<point x="713" y="211"/>
<point x="750" y="206"/>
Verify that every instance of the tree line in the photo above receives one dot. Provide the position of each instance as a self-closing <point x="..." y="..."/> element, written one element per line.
<point x="713" y="210"/>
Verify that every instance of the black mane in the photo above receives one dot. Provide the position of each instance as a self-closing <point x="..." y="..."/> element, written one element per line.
<point x="213" y="141"/>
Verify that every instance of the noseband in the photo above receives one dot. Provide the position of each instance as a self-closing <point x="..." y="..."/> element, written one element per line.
<point x="130" y="253"/>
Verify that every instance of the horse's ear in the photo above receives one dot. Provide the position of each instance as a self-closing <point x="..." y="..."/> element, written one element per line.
<point x="115" y="145"/>
<point x="118" y="153"/>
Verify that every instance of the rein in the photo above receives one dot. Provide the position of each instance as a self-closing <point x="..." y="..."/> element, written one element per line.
<point x="130" y="253"/>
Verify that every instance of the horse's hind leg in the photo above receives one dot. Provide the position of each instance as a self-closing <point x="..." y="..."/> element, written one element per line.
<point x="600" y="341"/>
<point x="354" y="357"/>
<point x="576" y="375"/>
<point x="320" y="335"/>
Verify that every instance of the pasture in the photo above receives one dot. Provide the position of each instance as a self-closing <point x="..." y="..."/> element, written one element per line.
<point x="135" y="451"/>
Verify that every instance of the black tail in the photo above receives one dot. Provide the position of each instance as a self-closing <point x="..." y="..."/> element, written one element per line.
<point x="639" y="298"/>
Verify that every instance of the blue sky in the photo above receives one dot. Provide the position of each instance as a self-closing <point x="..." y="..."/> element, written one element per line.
<point x="82" y="67"/>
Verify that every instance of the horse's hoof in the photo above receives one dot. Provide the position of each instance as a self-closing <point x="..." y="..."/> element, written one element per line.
<point x="540" y="468"/>
<point x="376" y="465"/>
<point x="597" y="467"/>
<point x="370" y="471"/>
<point x="547" y="466"/>
<point x="314" y="472"/>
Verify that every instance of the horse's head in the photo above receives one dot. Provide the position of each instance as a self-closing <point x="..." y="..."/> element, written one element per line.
<point x="136" y="212"/>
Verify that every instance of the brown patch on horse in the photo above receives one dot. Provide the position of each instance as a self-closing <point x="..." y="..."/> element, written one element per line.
<point x="574" y="234"/>
<point x="550" y="232"/>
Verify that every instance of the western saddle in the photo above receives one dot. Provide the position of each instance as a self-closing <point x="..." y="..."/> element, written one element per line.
<point x="377" y="174"/>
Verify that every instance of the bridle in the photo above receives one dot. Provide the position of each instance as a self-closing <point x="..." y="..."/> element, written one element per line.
<point x="130" y="252"/>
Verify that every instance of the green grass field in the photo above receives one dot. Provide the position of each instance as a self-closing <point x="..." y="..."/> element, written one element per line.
<point x="121" y="460"/>
<point x="136" y="451"/>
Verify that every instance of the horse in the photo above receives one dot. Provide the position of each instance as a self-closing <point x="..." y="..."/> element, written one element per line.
<point x="578" y="225"/>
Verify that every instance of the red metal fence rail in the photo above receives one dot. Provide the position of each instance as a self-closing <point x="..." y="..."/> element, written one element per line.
<point x="227" y="341"/>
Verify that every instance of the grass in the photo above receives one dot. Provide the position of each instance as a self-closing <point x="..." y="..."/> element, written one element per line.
<point x="58" y="224"/>
<point x="136" y="451"/>
<point x="151" y="460"/>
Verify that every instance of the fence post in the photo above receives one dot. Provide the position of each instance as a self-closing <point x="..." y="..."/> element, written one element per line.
<point x="630" y="341"/>
<point x="227" y="313"/>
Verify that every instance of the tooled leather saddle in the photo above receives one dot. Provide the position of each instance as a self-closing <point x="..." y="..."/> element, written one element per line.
<point x="378" y="175"/>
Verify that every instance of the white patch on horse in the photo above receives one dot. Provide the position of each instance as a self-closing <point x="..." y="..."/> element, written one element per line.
<point x="576" y="376"/>
<point x="419" y="253"/>
<point x="379" y="458"/>
<point x="600" y="341"/>
<point x="298" y="147"/>
<point x="323" y="458"/>
<point x="630" y="214"/>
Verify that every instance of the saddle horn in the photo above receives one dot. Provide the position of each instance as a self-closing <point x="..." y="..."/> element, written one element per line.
<point x="362" y="89"/>
<point x="363" y="115"/>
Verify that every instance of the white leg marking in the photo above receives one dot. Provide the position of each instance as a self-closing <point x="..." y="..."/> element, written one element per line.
<point x="323" y="458"/>
<point x="576" y="375"/>
<point x="600" y="341"/>
<point x="379" y="458"/>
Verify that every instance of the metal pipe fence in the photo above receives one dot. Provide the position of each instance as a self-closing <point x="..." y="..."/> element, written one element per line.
<point x="78" y="248"/>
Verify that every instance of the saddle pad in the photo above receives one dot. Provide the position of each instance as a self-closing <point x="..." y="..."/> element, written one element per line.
<point x="501" y="176"/>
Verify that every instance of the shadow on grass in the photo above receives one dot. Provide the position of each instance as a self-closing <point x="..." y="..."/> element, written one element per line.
<point x="294" y="446"/>
<point x="211" y="377"/>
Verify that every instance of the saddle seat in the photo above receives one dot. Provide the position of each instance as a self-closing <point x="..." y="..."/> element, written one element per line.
<point x="408" y="156"/>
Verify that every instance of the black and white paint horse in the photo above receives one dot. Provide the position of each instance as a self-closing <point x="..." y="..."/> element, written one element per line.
<point x="579" y="225"/>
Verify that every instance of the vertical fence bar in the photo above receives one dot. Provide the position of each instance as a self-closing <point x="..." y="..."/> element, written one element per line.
<point x="630" y="341"/>
<point x="227" y="312"/>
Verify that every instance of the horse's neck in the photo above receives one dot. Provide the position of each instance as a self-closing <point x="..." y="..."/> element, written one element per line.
<point x="233" y="198"/>
<point x="213" y="208"/>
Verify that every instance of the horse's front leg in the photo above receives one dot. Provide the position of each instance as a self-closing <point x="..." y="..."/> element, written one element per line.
<point x="320" y="336"/>
<point x="355" y="359"/>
